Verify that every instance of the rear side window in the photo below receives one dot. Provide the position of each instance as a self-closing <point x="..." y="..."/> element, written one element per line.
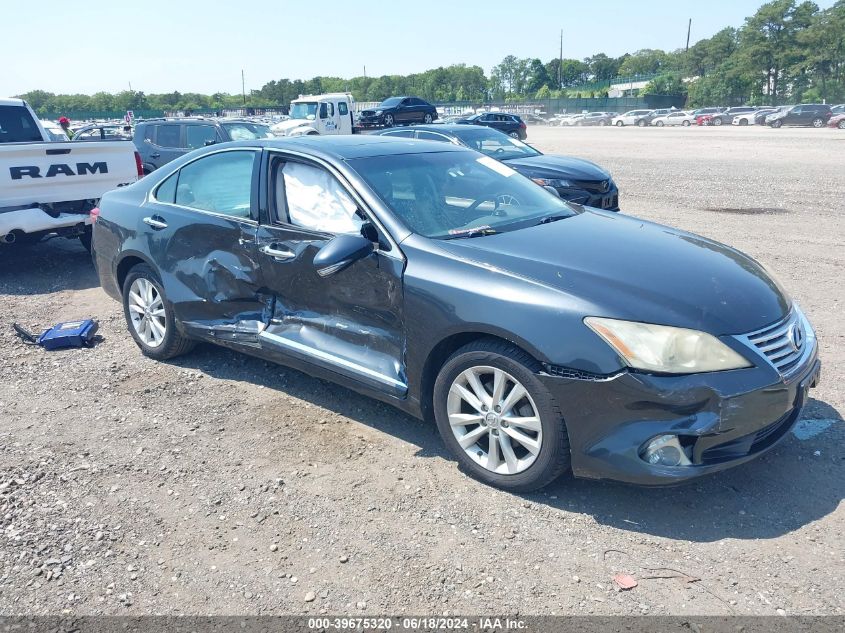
<point x="220" y="183"/>
<point x="197" y="135"/>
<point x="432" y="136"/>
<point x="167" y="135"/>
<point x="400" y="134"/>
<point x="166" y="191"/>
<point x="17" y="125"/>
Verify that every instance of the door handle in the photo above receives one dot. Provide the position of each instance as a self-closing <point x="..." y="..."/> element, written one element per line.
<point x="155" y="222"/>
<point x="155" y="155"/>
<point x="277" y="253"/>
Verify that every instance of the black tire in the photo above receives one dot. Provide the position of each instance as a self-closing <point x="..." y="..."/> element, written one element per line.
<point x="841" y="124"/>
<point x="620" y="124"/>
<point x="428" y="118"/>
<point x="686" y="124"/>
<point x="660" y="124"/>
<point x="776" y="124"/>
<point x="389" y="120"/>
<point x="174" y="343"/>
<point x="743" y="122"/>
<point x="818" y="123"/>
<point x="602" y="123"/>
<point x="85" y="238"/>
<point x="554" y="457"/>
<point x="514" y="135"/>
<point x="641" y="123"/>
<point x="717" y="122"/>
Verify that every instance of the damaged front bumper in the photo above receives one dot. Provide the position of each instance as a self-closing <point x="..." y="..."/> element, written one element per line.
<point x="724" y="418"/>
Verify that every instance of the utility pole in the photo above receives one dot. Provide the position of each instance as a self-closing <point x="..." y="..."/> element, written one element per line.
<point x="560" y="64"/>
<point x="130" y="86"/>
<point x="243" y="86"/>
<point x="689" y="30"/>
<point x="365" y="71"/>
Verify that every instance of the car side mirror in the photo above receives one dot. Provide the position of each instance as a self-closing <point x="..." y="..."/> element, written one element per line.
<point x="341" y="252"/>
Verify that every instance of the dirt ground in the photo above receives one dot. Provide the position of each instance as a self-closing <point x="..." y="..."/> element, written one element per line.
<point x="221" y="484"/>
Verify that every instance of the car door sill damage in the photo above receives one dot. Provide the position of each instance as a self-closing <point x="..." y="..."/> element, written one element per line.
<point x="340" y="364"/>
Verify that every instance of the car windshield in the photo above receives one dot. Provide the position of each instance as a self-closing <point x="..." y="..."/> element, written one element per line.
<point x="243" y="131"/>
<point x="499" y="146"/>
<point x="451" y="195"/>
<point x="304" y="110"/>
<point x="389" y="103"/>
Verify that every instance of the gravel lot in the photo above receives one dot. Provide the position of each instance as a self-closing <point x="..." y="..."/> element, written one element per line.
<point x="220" y="484"/>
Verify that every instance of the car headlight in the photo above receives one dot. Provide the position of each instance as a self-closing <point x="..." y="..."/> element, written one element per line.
<point x="557" y="183"/>
<point x="665" y="349"/>
<point x="379" y="112"/>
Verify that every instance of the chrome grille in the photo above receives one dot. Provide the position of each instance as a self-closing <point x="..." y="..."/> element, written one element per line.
<point x="782" y="343"/>
<point x="596" y="186"/>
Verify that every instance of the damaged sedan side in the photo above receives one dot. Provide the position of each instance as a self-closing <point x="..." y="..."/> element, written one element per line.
<point x="443" y="282"/>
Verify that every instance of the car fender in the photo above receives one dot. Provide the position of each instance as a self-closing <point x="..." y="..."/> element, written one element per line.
<point x="303" y="130"/>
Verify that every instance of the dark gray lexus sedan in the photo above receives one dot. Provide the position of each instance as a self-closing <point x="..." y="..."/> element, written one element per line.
<point x="541" y="337"/>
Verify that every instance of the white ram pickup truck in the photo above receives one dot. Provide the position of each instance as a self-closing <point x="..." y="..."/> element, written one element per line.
<point x="50" y="187"/>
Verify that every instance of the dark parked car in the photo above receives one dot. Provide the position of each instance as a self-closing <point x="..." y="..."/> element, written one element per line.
<point x="398" y="111"/>
<point x="103" y="132"/>
<point x="807" y="114"/>
<point x="160" y="141"/>
<point x="727" y="117"/>
<point x="510" y="124"/>
<point x="574" y="179"/>
<point x="541" y="336"/>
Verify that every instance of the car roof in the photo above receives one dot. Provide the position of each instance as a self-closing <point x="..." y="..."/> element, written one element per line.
<point x="346" y="147"/>
<point x="11" y="102"/>
<point x="444" y="128"/>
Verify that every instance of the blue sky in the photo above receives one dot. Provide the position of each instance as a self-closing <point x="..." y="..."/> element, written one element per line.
<point x="202" y="46"/>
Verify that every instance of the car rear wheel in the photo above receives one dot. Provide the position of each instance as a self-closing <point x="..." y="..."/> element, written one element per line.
<point x="776" y="124"/>
<point x="602" y="123"/>
<point x="150" y="317"/>
<point x="428" y="118"/>
<point x="818" y="122"/>
<point x="717" y="122"/>
<point x="388" y="120"/>
<point x="514" y="134"/>
<point x="641" y="123"/>
<point x="498" y="419"/>
<point x="686" y="123"/>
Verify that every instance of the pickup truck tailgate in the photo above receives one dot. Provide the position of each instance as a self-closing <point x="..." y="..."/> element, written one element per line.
<point x="43" y="173"/>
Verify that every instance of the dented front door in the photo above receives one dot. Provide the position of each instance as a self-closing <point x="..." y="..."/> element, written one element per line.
<point x="349" y="322"/>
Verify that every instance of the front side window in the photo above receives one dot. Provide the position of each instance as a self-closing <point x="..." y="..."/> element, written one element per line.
<point x="324" y="111"/>
<point x="312" y="198"/>
<point x="450" y="195"/>
<point x="199" y="135"/>
<point x="220" y="183"/>
<point x="342" y="108"/>
<point x="400" y="134"/>
<point x="494" y="143"/>
<point x="17" y="125"/>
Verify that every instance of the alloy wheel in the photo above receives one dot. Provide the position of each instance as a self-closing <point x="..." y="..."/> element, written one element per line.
<point x="817" y="123"/>
<point x="146" y="312"/>
<point x="495" y="420"/>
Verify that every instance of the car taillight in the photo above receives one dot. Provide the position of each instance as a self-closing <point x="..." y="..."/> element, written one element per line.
<point x="94" y="214"/>
<point x="522" y="124"/>
<point x="139" y="165"/>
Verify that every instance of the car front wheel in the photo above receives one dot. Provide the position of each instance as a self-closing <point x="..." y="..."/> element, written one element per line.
<point x="150" y="317"/>
<point x="776" y="124"/>
<point x="498" y="419"/>
<point x="388" y="120"/>
<point x="620" y="124"/>
<point x="841" y="125"/>
<point x="641" y="123"/>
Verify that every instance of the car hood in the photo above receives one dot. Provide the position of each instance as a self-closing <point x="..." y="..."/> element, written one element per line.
<point x="556" y="166"/>
<point x="632" y="269"/>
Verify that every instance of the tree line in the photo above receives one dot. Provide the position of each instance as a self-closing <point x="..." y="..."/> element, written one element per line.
<point x="788" y="51"/>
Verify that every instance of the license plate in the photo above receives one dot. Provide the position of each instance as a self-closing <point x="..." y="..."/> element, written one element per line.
<point x="606" y="202"/>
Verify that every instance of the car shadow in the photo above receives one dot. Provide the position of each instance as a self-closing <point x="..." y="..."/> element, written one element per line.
<point x="45" y="267"/>
<point x="778" y="493"/>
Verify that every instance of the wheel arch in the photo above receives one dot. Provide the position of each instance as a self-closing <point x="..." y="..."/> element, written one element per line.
<point x="447" y="346"/>
<point x="128" y="260"/>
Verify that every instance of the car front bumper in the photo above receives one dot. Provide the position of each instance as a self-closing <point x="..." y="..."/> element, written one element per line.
<point x="730" y="417"/>
<point x="607" y="200"/>
<point x="371" y="120"/>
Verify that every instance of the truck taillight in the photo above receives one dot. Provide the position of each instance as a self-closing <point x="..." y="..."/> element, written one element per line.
<point x="139" y="165"/>
<point x="94" y="214"/>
